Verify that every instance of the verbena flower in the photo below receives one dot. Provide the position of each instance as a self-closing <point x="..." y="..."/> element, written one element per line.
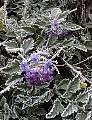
<point x="47" y="64"/>
<point x="24" y="65"/>
<point x="55" y="24"/>
<point x="34" y="77"/>
<point x="37" y="75"/>
<point x="47" y="75"/>
<point x="56" y="29"/>
<point x="35" y="58"/>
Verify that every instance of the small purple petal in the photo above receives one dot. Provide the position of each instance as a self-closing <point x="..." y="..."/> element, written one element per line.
<point x="47" y="75"/>
<point x="47" y="64"/>
<point x="55" y="24"/>
<point x="24" y="65"/>
<point x="35" y="58"/>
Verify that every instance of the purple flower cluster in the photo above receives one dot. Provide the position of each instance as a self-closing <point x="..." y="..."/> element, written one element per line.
<point x="55" y="24"/>
<point x="37" y="75"/>
<point x="55" y="29"/>
<point x="35" y="58"/>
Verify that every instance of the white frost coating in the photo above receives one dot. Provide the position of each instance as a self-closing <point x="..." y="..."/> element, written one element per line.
<point x="15" y="50"/>
<point x="10" y="85"/>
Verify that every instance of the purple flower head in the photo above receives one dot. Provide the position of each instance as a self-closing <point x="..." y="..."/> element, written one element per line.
<point x="56" y="30"/>
<point x="47" y="64"/>
<point x="47" y="75"/>
<point x="35" y="58"/>
<point x="34" y="77"/>
<point x="58" y="33"/>
<point x="55" y="24"/>
<point x="37" y="75"/>
<point x="24" y="65"/>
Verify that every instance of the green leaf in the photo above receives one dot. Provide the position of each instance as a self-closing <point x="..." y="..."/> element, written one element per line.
<point x="88" y="44"/>
<point x="73" y="86"/>
<point x="40" y="111"/>
<point x="39" y="40"/>
<point x="6" y="109"/>
<point x="56" y="109"/>
<point x="65" y="13"/>
<point x="33" y="118"/>
<point x="71" y="108"/>
<point x="10" y="34"/>
<point x="68" y="41"/>
<point x="19" y="111"/>
<point x="63" y="84"/>
<point x="89" y="116"/>
<point x="84" y="97"/>
<point x="14" y="77"/>
<point x="11" y="84"/>
<point x="29" y="29"/>
<point x="45" y="97"/>
<point x="28" y="45"/>
<point x="81" y="116"/>
<point x="72" y="27"/>
<point x="81" y="47"/>
<point x="11" y="44"/>
<point x="89" y="104"/>
<point x="1" y="25"/>
<point x="2" y="102"/>
<point x="12" y="67"/>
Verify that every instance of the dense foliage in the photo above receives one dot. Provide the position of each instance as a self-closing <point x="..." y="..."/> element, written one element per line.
<point x="45" y="60"/>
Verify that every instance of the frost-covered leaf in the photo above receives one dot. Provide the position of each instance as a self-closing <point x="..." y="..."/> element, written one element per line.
<point x="71" y="108"/>
<point x="56" y="109"/>
<point x="28" y="45"/>
<point x="2" y="102"/>
<point x="14" y="77"/>
<point x="6" y="109"/>
<point x="63" y="84"/>
<point x="89" y="116"/>
<point x="68" y="41"/>
<point x="11" y="84"/>
<point x="14" y="50"/>
<point x="12" y="67"/>
<point x="1" y="25"/>
<point x="81" y="116"/>
<point x="89" y="104"/>
<point x="33" y="118"/>
<point x="11" y="44"/>
<point x="73" y="85"/>
<point x="88" y="44"/>
<point x="45" y="97"/>
<point x="29" y="29"/>
<point x="81" y="47"/>
<point x="65" y="13"/>
<point x="83" y="97"/>
<point x="19" y="111"/>
<point x="72" y="27"/>
<point x="55" y="12"/>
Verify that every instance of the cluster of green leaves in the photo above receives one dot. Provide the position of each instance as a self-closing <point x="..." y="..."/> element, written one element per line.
<point x="24" y="31"/>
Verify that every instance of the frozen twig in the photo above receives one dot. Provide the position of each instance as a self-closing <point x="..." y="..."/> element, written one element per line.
<point x="83" y="78"/>
<point x="88" y="58"/>
<point x="5" y="12"/>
